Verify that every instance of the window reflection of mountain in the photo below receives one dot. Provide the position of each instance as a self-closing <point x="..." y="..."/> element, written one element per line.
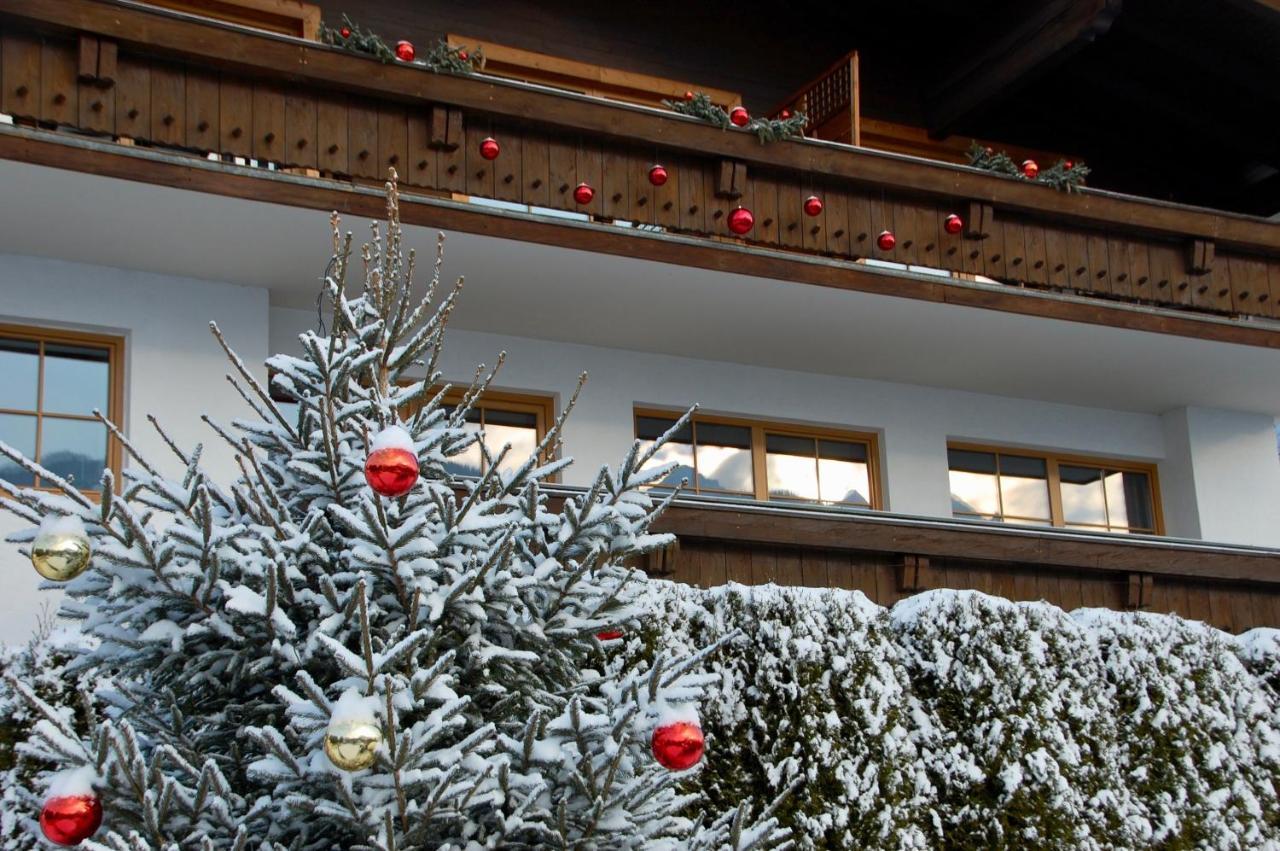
<point x="83" y="469"/>
<point x="853" y="497"/>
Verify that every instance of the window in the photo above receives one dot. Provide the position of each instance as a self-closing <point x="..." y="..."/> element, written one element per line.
<point x="52" y="383"/>
<point x="749" y="460"/>
<point x="518" y="419"/>
<point x="1045" y="490"/>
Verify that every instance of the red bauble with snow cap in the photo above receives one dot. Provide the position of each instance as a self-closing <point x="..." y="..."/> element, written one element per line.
<point x="953" y="224"/>
<point x="739" y="116"/>
<point x="72" y="812"/>
<point x="1030" y="169"/>
<point x="657" y="175"/>
<point x="678" y="744"/>
<point x="583" y="193"/>
<point x="489" y="148"/>
<point x="405" y="51"/>
<point x="812" y="205"/>
<point x="886" y="240"/>
<point x="392" y="466"/>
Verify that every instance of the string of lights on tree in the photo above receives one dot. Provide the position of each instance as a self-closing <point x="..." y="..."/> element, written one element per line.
<point x="1066" y="175"/>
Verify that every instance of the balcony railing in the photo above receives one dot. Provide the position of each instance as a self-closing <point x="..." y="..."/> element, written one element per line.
<point x="142" y="76"/>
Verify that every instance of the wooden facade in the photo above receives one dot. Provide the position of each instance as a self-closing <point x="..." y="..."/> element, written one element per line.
<point x="150" y="79"/>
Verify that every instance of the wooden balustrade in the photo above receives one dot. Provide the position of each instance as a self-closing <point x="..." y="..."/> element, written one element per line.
<point x="139" y="92"/>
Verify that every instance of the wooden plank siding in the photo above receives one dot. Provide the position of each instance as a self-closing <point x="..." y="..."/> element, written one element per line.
<point x="197" y="105"/>
<point x="1231" y="606"/>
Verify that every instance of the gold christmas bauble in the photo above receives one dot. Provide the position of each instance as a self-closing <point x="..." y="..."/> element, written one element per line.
<point x="60" y="556"/>
<point x="352" y="745"/>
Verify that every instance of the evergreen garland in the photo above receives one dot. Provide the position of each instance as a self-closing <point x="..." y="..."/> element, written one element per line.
<point x="1063" y="175"/>
<point x="441" y="57"/>
<point x="766" y="129"/>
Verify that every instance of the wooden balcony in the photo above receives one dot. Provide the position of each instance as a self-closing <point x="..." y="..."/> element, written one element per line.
<point x="142" y="82"/>
<point x="890" y="557"/>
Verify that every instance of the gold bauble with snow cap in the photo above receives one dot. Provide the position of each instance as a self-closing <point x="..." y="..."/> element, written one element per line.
<point x="352" y="740"/>
<point x="61" y="550"/>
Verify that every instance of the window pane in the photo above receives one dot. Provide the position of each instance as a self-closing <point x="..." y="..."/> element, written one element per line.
<point x="971" y="462"/>
<point x="466" y="462"/>
<point x="1083" y="499"/>
<point x="523" y="441"/>
<point x="651" y="428"/>
<point x="519" y="419"/>
<point x="975" y="493"/>
<point x="681" y="454"/>
<point x="19" y="374"/>
<point x="791" y="466"/>
<point x="844" y="481"/>
<point x="724" y="457"/>
<point x="76" y="450"/>
<point x="75" y="379"/>
<point x="1129" y="501"/>
<point x="1024" y="487"/>
<point x="840" y="450"/>
<point x="20" y="433"/>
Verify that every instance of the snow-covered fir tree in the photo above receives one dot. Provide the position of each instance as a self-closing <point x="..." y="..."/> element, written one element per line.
<point x="454" y="628"/>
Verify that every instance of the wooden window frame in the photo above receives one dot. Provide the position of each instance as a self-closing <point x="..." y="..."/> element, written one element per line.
<point x="542" y="406"/>
<point x="1052" y="462"/>
<point x="114" y="346"/>
<point x="759" y="468"/>
<point x="284" y="17"/>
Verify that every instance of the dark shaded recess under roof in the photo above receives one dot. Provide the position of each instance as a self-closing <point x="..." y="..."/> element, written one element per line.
<point x="1171" y="99"/>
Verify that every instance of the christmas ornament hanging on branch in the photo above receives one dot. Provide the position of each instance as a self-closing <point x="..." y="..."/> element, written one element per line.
<point x="61" y="550"/>
<point x="678" y="745"/>
<point x="1065" y="175"/>
<point x="441" y="57"/>
<point x="71" y="812"/>
<point x="767" y="130"/>
<point x="352" y="739"/>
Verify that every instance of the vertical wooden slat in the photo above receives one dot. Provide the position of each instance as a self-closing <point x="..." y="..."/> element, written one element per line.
<point x="302" y="130"/>
<point x="332" y="135"/>
<point x="1120" y="261"/>
<point x="235" y="116"/>
<point x="202" y="131"/>
<point x="814" y="228"/>
<point x="59" y="83"/>
<point x="904" y="228"/>
<point x="1037" y="253"/>
<point x="1092" y="592"/>
<point x="611" y="188"/>
<point x="789" y="569"/>
<point x="666" y="198"/>
<point x="764" y="204"/>
<point x="1099" y="264"/>
<point x="1198" y="607"/>
<point x="589" y="169"/>
<point x="929" y="235"/>
<point x="791" y="218"/>
<point x="1220" y="286"/>
<point x="1002" y="583"/>
<point x="764" y="565"/>
<point x="687" y="566"/>
<point x="268" y="123"/>
<point x="737" y="563"/>
<point x="880" y="219"/>
<point x="480" y="171"/>
<point x="1078" y="277"/>
<point x="420" y="157"/>
<point x="837" y="221"/>
<point x="840" y="570"/>
<point x="813" y="567"/>
<point x="693" y="192"/>
<point x="168" y="104"/>
<point x="1219" y="608"/>
<point x="508" y="180"/>
<point x="1273" y="280"/>
<point x="1140" y="285"/>
<point x="97" y="107"/>
<point x="393" y="139"/>
<point x="864" y="577"/>
<point x="861" y="237"/>
<point x="535" y="171"/>
<point x="362" y="140"/>
<point x="20" y="73"/>
<point x="995" y="260"/>
<point x="1047" y="587"/>
<point x="87" y="61"/>
<point x="1248" y="282"/>
<point x="1056" y="257"/>
<point x="640" y="192"/>
<point x="1015" y="250"/>
<point x="563" y="164"/>
<point x="887" y="592"/>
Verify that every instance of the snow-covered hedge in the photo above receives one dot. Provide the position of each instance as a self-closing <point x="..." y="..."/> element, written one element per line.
<point x="959" y="720"/>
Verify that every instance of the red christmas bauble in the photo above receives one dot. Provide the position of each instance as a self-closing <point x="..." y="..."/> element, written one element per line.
<point x="812" y="205"/>
<point x="785" y="114"/>
<point x="489" y="148"/>
<point x="1068" y="165"/>
<point x="741" y="220"/>
<point x="886" y="240"/>
<point x="678" y="746"/>
<point x="657" y="175"/>
<point x="71" y="819"/>
<point x="953" y="224"/>
<point x="989" y="150"/>
<point x="609" y="635"/>
<point x="391" y="471"/>
<point x="739" y="116"/>
<point x="405" y="51"/>
<point x="583" y="193"/>
<point x="688" y="95"/>
<point x="1030" y="169"/>
<point x="462" y="54"/>
<point x="345" y="32"/>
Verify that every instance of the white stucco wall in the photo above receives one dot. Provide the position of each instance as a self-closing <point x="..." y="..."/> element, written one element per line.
<point x="173" y="368"/>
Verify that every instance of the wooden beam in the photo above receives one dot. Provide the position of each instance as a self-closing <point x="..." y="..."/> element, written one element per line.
<point x="178" y="171"/>
<point x="217" y="46"/>
<point x="1049" y="33"/>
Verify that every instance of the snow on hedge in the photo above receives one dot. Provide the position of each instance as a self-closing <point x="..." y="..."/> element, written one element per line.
<point x="961" y="720"/>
